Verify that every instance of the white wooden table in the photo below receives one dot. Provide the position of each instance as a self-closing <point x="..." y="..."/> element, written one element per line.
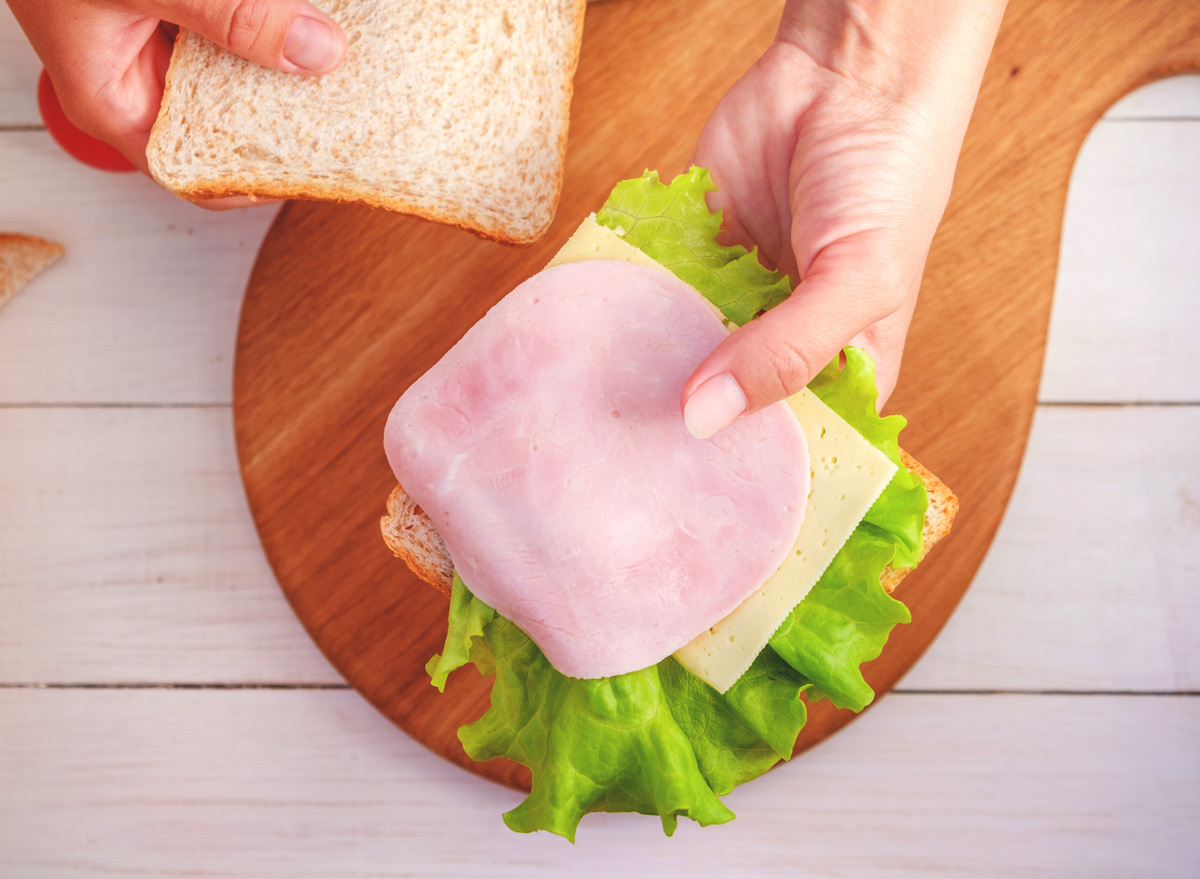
<point x="163" y="714"/>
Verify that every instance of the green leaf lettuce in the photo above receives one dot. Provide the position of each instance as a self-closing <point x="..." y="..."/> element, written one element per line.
<point x="660" y="741"/>
<point x="672" y="225"/>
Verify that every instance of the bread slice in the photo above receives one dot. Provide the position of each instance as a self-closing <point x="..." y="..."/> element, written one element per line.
<point x="939" y="517"/>
<point x="411" y="536"/>
<point x="452" y="110"/>
<point x="21" y="258"/>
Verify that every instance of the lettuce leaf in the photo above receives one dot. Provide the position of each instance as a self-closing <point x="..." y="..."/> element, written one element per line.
<point x="657" y="741"/>
<point x="843" y="622"/>
<point x="672" y="224"/>
<point x="468" y="616"/>
<point x="661" y="741"/>
<point x="846" y="618"/>
<point x="610" y="744"/>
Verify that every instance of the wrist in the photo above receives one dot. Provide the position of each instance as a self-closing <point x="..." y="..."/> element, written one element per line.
<point x="915" y="52"/>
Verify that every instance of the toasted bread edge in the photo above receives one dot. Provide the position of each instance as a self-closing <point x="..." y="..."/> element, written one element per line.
<point x="22" y="258"/>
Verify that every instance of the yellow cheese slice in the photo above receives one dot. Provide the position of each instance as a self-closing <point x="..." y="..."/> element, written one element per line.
<point x="593" y="241"/>
<point x="848" y="475"/>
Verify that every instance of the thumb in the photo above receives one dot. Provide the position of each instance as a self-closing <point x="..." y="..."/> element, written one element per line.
<point x="777" y="354"/>
<point x="287" y="35"/>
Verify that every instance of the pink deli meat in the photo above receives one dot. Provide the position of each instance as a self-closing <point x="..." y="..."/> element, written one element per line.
<point x="548" y="448"/>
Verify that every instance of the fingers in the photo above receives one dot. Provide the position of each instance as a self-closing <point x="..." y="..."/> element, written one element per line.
<point x="852" y="286"/>
<point x="884" y="341"/>
<point x="288" y="35"/>
<point x="748" y="150"/>
<point x="108" y="75"/>
<point x="108" y="59"/>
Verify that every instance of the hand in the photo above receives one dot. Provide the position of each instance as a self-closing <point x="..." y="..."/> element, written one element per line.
<point x="835" y="154"/>
<point x="108" y="58"/>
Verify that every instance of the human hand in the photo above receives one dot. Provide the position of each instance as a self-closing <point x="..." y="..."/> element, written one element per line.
<point x="835" y="154"/>
<point x="108" y="58"/>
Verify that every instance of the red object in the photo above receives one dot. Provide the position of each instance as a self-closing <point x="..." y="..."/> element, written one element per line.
<point x="77" y="144"/>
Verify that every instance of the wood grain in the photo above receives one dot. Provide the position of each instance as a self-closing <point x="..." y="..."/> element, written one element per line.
<point x="163" y="581"/>
<point x="1091" y="581"/>
<point x="18" y="75"/>
<point x="1174" y="99"/>
<point x="1115" y="327"/>
<point x="127" y="554"/>
<point x="314" y="785"/>
<point x="346" y="307"/>
<point x="144" y="305"/>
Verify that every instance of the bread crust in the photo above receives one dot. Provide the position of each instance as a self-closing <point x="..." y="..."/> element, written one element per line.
<point x="247" y="188"/>
<point x="413" y="537"/>
<point x="939" y="517"/>
<point x="22" y="257"/>
<point x="541" y="214"/>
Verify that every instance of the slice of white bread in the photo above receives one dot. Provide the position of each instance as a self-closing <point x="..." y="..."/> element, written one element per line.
<point x="453" y="110"/>
<point x="21" y="258"/>
<point x="411" y="536"/>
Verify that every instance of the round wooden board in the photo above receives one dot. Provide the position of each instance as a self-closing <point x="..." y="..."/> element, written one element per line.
<point x="347" y="306"/>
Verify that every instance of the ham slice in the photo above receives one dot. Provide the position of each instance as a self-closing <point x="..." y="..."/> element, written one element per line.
<point x="548" y="448"/>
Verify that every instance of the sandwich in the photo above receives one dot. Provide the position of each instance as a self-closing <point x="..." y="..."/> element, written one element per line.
<point x="656" y="610"/>
<point x="454" y="111"/>
<point x="22" y="258"/>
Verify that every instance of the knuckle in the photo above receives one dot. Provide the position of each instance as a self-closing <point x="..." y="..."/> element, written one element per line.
<point x="81" y="112"/>
<point x="787" y="366"/>
<point x="96" y="113"/>
<point x="246" y="22"/>
<point x="894" y="277"/>
<point x="891" y="295"/>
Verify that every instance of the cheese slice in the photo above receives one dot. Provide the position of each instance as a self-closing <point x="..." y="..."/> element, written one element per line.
<point x="593" y="241"/>
<point x="848" y="475"/>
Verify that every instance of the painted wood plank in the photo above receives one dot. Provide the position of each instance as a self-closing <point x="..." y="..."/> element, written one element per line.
<point x="143" y="307"/>
<point x="1091" y="582"/>
<point x="316" y="784"/>
<point x="1177" y="97"/>
<point x="19" y="71"/>
<point x="128" y="554"/>
<point x="1127" y="303"/>
<point x="1090" y="585"/>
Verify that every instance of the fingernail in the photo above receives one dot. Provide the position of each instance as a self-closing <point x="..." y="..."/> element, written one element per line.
<point x="713" y="406"/>
<point x="311" y="45"/>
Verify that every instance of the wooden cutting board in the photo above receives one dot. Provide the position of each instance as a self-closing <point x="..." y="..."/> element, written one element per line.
<point x="347" y="306"/>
